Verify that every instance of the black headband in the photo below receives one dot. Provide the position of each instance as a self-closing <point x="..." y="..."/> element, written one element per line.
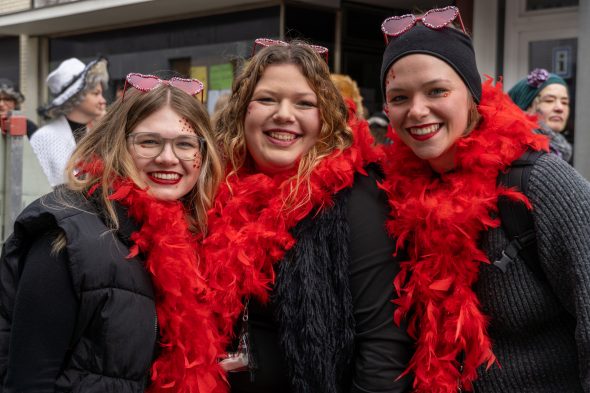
<point x="448" y="44"/>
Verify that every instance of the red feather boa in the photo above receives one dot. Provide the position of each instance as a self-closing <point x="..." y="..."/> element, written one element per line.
<point x="249" y="224"/>
<point x="187" y="362"/>
<point x="439" y="221"/>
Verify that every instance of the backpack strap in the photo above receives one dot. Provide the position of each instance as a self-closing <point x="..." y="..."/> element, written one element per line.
<point x="516" y="219"/>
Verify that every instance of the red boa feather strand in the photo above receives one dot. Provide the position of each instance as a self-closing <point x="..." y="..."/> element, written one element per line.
<point x="439" y="221"/>
<point x="249" y="224"/>
<point x="189" y="338"/>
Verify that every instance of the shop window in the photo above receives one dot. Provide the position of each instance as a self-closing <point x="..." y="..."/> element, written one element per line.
<point x="9" y="67"/>
<point x="182" y="66"/>
<point x="535" y="5"/>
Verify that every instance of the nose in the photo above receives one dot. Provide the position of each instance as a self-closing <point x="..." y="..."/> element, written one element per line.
<point x="559" y="106"/>
<point x="102" y="100"/>
<point x="418" y="109"/>
<point x="167" y="155"/>
<point x="284" y="113"/>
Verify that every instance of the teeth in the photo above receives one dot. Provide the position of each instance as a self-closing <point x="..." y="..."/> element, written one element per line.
<point x="283" y="136"/>
<point x="424" y="130"/>
<point x="166" y="176"/>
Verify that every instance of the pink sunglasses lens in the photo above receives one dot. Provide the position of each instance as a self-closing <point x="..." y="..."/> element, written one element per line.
<point x="397" y="25"/>
<point x="319" y="49"/>
<point x="270" y="42"/>
<point x="439" y="18"/>
<point x="142" y="82"/>
<point x="191" y="87"/>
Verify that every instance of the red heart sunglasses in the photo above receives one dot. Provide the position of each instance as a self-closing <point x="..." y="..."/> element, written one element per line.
<point x="435" y="19"/>
<point x="146" y="83"/>
<point x="265" y="42"/>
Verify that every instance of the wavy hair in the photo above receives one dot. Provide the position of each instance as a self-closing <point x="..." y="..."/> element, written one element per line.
<point x="108" y="142"/>
<point x="334" y="133"/>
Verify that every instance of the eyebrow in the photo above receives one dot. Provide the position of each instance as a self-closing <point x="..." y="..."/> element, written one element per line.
<point x="428" y="83"/>
<point x="554" y="97"/>
<point x="297" y="93"/>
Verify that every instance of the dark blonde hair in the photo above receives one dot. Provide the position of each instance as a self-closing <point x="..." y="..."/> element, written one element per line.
<point x="108" y="142"/>
<point x="334" y="133"/>
<point x="473" y="116"/>
<point x="349" y="89"/>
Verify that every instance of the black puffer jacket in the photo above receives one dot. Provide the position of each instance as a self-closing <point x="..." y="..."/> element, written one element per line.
<point x="116" y="325"/>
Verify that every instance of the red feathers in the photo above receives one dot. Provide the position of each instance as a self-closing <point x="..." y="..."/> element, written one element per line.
<point x="189" y="341"/>
<point x="439" y="220"/>
<point x="249" y="225"/>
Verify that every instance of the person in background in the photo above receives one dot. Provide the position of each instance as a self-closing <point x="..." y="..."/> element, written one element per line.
<point x="297" y="255"/>
<point x="77" y="101"/>
<point x="350" y="92"/>
<point x="99" y="282"/>
<point x="546" y="95"/>
<point x="11" y="99"/>
<point x="379" y="126"/>
<point x="482" y="322"/>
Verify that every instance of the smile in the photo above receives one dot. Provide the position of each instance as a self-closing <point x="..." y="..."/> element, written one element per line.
<point x="282" y="137"/>
<point x="424" y="132"/>
<point x="168" y="178"/>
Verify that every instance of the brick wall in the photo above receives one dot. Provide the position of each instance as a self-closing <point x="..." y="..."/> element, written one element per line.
<point x="10" y="6"/>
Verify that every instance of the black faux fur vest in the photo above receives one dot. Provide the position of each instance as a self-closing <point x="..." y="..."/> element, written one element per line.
<point x="313" y="303"/>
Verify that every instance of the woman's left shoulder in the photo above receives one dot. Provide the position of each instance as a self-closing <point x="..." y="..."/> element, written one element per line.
<point x="366" y="183"/>
<point x="557" y="191"/>
<point x="553" y="174"/>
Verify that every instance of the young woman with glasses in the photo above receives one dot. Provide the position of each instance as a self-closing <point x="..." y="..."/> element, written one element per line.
<point x="297" y="257"/>
<point x="483" y="319"/>
<point x="100" y="286"/>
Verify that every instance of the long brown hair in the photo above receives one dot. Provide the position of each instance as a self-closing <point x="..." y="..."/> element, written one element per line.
<point x="334" y="133"/>
<point x="108" y="142"/>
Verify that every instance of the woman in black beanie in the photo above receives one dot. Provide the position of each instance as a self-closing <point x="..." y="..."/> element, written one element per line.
<point x="513" y="325"/>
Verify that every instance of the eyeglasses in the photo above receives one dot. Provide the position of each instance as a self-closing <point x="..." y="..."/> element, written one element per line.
<point x="150" y="145"/>
<point x="435" y="19"/>
<point x="146" y="83"/>
<point x="265" y="42"/>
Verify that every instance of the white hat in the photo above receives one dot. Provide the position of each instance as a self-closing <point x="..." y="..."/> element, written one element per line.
<point x="69" y="78"/>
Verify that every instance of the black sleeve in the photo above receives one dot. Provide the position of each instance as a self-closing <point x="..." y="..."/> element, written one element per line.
<point x="43" y="320"/>
<point x="31" y="128"/>
<point x="382" y="349"/>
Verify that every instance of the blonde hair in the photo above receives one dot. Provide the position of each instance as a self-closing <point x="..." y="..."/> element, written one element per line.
<point x="334" y="133"/>
<point x="349" y="89"/>
<point x="473" y="116"/>
<point x="108" y="142"/>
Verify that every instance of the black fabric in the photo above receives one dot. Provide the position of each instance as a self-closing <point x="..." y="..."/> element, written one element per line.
<point x="31" y="128"/>
<point x="112" y="345"/>
<point x="331" y="310"/>
<point x="45" y="298"/>
<point x="448" y="44"/>
<point x="516" y="218"/>
<point x="541" y="328"/>
<point x="78" y="129"/>
<point x="382" y="350"/>
<point x="314" y="304"/>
